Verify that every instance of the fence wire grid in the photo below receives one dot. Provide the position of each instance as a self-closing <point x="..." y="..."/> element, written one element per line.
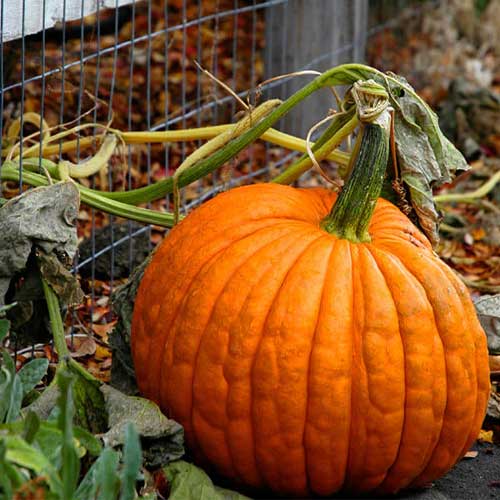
<point x="132" y="62"/>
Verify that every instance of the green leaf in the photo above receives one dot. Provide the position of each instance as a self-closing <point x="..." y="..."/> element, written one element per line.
<point x="8" y="363"/>
<point x="132" y="460"/>
<point x="107" y="480"/>
<point x="48" y="437"/>
<point x="70" y="466"/>
<point x="5" y="481"/>
<point x="32" y="373"/>
<point x="89" y="486"/>
<point x="188" y="482"/>
<point x="15" y="400"/>
<point x="4" y="328"/>
<point x="89" y="405"/>
<point x="44" y="405"/>
<point x="17" y="476"/>
<point x="88" y="440"/>
<point x="11" y="390"/>
<point x="31" y="425"/>
<point x="5" y="390"/>
<point x="27" y="456"/>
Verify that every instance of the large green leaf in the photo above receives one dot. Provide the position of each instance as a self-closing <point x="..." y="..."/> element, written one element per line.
<point x="188" y="482"/>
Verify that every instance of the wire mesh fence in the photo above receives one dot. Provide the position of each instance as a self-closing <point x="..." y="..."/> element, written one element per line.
<point x="129" y="65"/>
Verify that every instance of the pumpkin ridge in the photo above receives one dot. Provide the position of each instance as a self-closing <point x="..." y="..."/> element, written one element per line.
<point x="162" y="390"/>
<point x="379" y="419"/>
<point x="477" y="340"/>
<point x="427" y="474"/>
<point x="373" y="253"/>
<point x="381" y="253"/>
<point x="308" y="383"/>
<point x="259" y="344"/>
<point x="430" y="452"/>
<point x="269" y="268"/>
<point x="354" y="254"/>
<point x="213" y="306"/>
<point x="161" y="387"/>
<point x="292" y="237"/>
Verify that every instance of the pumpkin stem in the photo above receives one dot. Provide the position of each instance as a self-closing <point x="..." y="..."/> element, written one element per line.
<point x="350" y="216"/>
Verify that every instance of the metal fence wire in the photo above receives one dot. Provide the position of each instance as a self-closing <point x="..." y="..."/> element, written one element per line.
<point x="131" y="62"/>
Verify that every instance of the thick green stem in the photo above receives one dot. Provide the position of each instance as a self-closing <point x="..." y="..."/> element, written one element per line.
<point x="345" y="74"/>
<point x="340" y="75"/>
<point x="56" y="323"/>
<point x="472" y="195"/>
<point x="342" y="126"/>
<point x="351" y="214"/>
<point x="57" y="328"/>
<point x="94" y="199"/>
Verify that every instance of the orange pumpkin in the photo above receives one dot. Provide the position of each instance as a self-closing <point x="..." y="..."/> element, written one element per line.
<point x="304" y="362"/>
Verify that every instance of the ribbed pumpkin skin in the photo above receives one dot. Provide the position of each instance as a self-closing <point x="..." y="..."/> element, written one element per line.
<point x="304" y="363"/>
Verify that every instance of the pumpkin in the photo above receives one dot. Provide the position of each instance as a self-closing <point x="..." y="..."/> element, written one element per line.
<point x="305" y="362"/>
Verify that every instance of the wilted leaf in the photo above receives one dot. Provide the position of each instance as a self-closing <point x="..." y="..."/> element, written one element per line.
<point x="122" y="368"/>
<point x="488" y="312"/>
<point x="493" y="409"/>
<point x="188" y="482"/>
<point x="162" y="439"/>
<point x="485" y="436"/>
<point x="86" y="348"/>
<point x="45" y="217"/>
<point x="494" y="362"/>
<point x="62" y="281"/>
<point x="90" y="407"/>
<point x="426" y="158"/>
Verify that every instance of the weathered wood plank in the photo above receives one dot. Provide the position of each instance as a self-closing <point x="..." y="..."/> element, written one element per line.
<point x="319" y="34"/>
<point x="54" y="13"/>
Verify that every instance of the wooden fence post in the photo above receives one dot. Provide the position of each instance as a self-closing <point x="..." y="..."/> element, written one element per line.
<point x="312" y="34"/>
